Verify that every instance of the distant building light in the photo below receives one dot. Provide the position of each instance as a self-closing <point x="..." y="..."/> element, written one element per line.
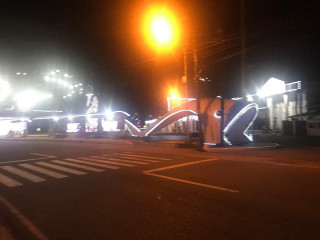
<point x="55" y="118"/>
<point x="18" y="73"/>
<point x="24" y="74"/>
<point x="52" y="72"/>
<point x="66" y="75"/>
<point x="47" y="78"/>
<point x="57" y="70"/>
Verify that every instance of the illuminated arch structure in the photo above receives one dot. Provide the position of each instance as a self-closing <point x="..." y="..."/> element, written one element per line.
<point x="238" y="117"/>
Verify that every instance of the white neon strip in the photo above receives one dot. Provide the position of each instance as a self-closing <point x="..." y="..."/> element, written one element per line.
<point x="81" y="115"/>
<point x="297" y="82"/>
<point x="125" y="113"/>
<point x="215" y="114"/>
<point x="235" y="119"/>
<point x="245" y="132"/>
<point x="129" y="123"/>
<point x="162" y="120"/>
<point x="211" y="144"/>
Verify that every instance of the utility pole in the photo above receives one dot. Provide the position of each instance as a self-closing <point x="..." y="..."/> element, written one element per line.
<point x="196" y="81"/>
<point x="243" y="48"/>
<point x="185" y="81"/>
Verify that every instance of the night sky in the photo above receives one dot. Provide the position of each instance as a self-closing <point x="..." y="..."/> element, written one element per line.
<point x="101" y="43"/>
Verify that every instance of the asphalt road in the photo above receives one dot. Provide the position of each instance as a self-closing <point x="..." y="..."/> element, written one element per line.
<point x="140" y="191"/>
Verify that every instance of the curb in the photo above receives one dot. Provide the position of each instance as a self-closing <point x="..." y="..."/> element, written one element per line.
<point x="115" y="142"/>
<point x="266" y="146"/>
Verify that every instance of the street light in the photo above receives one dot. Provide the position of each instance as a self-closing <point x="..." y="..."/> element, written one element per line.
<point x="161" y="28"/>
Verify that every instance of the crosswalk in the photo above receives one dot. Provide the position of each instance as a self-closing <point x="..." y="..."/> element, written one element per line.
<point x="17" y="174"/>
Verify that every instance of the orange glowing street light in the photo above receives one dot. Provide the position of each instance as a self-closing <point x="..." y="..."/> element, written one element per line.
<point x="161" y="28"/>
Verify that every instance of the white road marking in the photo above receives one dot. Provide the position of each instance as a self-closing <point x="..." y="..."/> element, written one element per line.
<point x="31" y="159"/>
<point x="142" y="156"/>
<point x="79" y="166"/>
<point x="151" y="173"/>
<point x="129" y="161"/>
<point x="119" y="160"/>
<point x="92" y="163"/>
<point x="63" y="169"/>
<point x="44" y="155"/>
<point x="136" y="158"/>
<point x="9" y="182"/>
<point x="43" y="171"/>
<point x="23" y="219"/>
<point x="106" y="161"/>
<point x="23" y="174"/>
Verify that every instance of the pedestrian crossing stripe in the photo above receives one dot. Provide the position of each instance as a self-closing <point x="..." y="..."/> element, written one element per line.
<point x="142" y="156"/>
<point x="136" y="158"/>
<point x="43" y="171"/>
<point x="63" y="169"/>
<point x="121" y="160"/>
<point x="106" y="161"/>
<point x="78" y="166"/>
<point x="53" y="168"/>
<point x="23" y="174"/>
<point x="92" y="163"/>
<point x="9" y="182"/>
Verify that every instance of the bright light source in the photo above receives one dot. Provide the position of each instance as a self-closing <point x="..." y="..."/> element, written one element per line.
<point x="76" y="85"/>
<point x="53" y="73"/>
<point x="66" y="75"/>
<point x="109" y="115"/>
<point x="47" y="78"/>
<point x="161" y="28"/>
<point x="80" y="84"/>
<point x="57" y="70"/>
<point x="64" y="97"/>
<point x="69" y="95"/>
<point x="55" y="118"/>
<point x="70" y="86"/>
<point x="249" y="98"/>
<point x="271" y="87"/>
<point x="5" y="90"/>
<point x="24" y="74"/>
<point x="70" y="118"/>
<point x="18" y="73"/>
<point x="26" y="99"/>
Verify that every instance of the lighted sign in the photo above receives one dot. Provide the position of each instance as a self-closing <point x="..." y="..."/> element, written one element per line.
<point x="73" y="127"/>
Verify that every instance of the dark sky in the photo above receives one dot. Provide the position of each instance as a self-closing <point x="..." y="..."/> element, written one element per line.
<point x="100" y="41"/>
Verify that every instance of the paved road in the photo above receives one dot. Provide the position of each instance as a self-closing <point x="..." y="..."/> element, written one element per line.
<point x="139" y="191"/>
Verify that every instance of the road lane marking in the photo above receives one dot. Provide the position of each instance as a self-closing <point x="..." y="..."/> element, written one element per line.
<point x="43" y="171"/>
<point x="151" y="173"/>
<point x="106" y="161"/>
<point x="31" y="159"/>
<point x="136" y="158"/>
<point x="129" y="161"/>
<point x="92" y="163"/>
<point x="44" y="155"/>
<point x="63" y="169"/>
<point x="181" y="165"/>
<point x="23" y="219"/>
<point x="193" y="183"/>
<point x="9" y="182"/>
<point x="79" y="166"/>
<point x="23" y="174"/>
<point x="142" y="156"/>
<point x="120" y="160"/>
